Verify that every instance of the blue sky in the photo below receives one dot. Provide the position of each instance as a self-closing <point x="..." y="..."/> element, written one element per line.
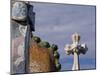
<point x="56" y="23"/>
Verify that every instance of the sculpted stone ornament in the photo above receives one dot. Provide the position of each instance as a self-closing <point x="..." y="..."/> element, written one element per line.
<point x="22" y="25"/>
<point x="19" y="11"/>
<point x="76" y="49"/>
<point x="18" y="33"/>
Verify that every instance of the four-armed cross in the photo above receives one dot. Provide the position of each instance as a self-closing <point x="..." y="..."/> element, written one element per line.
<point x="75" y="48"/>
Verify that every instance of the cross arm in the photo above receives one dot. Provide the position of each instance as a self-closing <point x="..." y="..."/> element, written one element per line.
<point x="83" y="49"/>
<point x="68" y="49"/>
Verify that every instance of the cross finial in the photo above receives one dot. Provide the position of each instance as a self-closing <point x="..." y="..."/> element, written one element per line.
<point x="75" y="48"/>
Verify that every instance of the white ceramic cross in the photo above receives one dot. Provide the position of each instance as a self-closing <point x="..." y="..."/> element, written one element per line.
<point x="75" y="48"/>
